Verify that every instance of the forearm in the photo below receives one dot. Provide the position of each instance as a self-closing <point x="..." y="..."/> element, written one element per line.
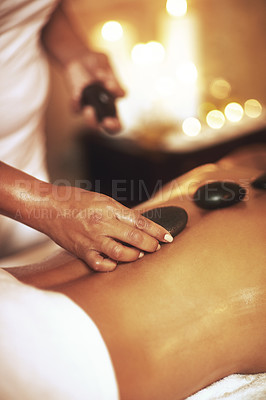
<point x="23" y="197"/>
<point x="58" y="268"/>
<point x="60" y="40"/>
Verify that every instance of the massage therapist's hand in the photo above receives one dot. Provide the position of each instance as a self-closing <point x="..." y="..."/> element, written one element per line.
<point x="98" y="229"/>
<point x="90" y="225"/>
<point x="80" y="65"/>
<point x="88" y="68"/>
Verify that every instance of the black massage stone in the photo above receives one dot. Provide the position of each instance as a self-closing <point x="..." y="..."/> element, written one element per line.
<point x="260" y="182"/>
<point x="100" y="99"/>
<point x="218" y="195"/>
<point x="173" y="219"/>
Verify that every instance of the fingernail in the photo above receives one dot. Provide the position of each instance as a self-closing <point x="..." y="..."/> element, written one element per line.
<point x="168" y="238"/>
<point x="158" y="247"/>
<point x="141" y="254"/>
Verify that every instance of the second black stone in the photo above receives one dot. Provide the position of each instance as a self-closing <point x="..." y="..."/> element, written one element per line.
<point x="219" y="195"/>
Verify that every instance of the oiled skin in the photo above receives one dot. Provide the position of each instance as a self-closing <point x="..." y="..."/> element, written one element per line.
<point x="192" y="313"/>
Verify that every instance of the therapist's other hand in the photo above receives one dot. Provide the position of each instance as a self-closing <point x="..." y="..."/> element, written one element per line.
<point x="99" y="230"/>
<point x="88" y="68"/>
<point x="81" y="65"/>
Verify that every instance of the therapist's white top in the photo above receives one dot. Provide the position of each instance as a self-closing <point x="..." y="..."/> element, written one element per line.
<point x="24" y="82"/>
<point x="49" y="348"/>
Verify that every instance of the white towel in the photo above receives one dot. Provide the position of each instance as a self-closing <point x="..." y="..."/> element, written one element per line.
<point x="235" y="387"/>
<point x="49" y="348"/>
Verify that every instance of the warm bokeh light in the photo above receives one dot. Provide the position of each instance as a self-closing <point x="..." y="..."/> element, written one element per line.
<point x="187" y="72"/>
<point x="148" y="54"/>
<point x="176" y="8"/>
<point x="112" y="31"/>
<point x="191" y="126"/>
<point x="253" y="108"/>
<point x="155" y="51"/>
<point x="234" y="112"/>
<point x="138" y="53"/>
<point x="215" y="119"/>
<point x="164" y="86"/>
<point x="220" y="88"/>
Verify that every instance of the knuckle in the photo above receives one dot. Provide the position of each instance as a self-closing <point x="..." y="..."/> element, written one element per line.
<point x="141" y="223"/>
<point x="116" y="251"/>
<point x="155" y="244"/>
<point x="135" y="236"/>
<point x="95" y="217"/>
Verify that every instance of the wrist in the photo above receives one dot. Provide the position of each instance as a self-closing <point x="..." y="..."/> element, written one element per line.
<point x="32" y="203"/>
<point x="56" y="203"/>
<point x="20" y="193"/>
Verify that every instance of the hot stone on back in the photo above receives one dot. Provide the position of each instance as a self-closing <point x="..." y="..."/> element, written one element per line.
<point x="218" y="195"/>
<point x="173" y="219"/>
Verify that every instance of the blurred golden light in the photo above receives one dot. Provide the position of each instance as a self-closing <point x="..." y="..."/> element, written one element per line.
<point x="234" y="112"/>
<point x="176" y="8"/>
<point x="220" y="88"/>
<point x="187" y="72"/>
<point x="138" y="53"/>
<point x="156" y="51"/>
<point x="253" y="108"/>
<point x="147" y="54"/>
<point x="215" y="119"/>
<point x="112" y="31"/>
<point x="191" y="126"/>
<point x="164" y="86"/>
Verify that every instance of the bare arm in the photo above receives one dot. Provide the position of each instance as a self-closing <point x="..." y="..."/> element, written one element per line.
<point x="60" y="39"/>
<point x="87" y="224"/>
<point x="23" y="197"/>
